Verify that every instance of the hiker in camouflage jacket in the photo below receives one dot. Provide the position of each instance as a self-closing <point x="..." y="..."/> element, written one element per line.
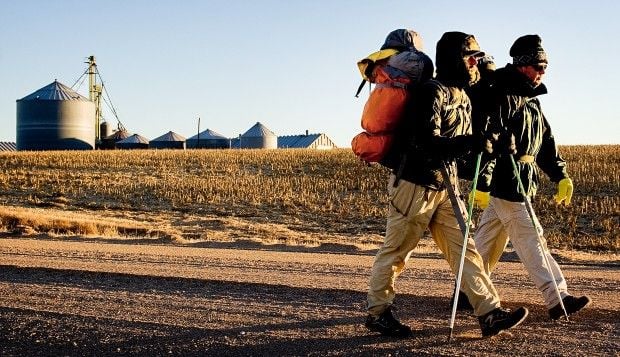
<point x="526" y="133"/>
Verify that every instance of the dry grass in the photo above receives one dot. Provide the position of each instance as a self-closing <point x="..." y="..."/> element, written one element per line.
<point x="293" y="196"/>
<point x="28" y="221"/>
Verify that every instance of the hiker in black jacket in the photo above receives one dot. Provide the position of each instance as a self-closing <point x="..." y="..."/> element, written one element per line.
<point x="436" y="131"/>
<point x="517" y="113"/>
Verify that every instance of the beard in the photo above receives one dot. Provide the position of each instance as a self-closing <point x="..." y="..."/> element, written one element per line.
<point x="473" y="75"/>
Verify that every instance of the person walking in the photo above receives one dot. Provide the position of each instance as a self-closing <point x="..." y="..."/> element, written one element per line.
<point x="439" y="130"/>
<point x="518" y="115"/>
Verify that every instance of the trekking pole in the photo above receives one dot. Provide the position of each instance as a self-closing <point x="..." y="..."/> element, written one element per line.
<point x="454" y="200"/>
<point x="538" y="228"/>
<point x="465" y="230"/>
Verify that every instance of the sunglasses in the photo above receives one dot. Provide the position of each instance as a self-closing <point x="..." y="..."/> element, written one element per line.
<point x="539" y="67"/>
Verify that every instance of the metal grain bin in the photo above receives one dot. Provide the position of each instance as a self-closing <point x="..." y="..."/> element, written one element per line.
<point x="134" y="141"/>
<point x="55" y="118"/>
<point x="104" y="129"/>
<point x="109" y="142"/>
<point x="258" y="137"/>
<point x="170" y="140"/>
<point x="208" y="139"/>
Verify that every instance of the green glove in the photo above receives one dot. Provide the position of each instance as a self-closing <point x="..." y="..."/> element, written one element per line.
<point x="481" y="199"/>
<point x="565" y="191"/>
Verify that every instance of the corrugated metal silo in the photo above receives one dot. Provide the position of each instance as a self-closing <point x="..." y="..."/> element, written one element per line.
<point x="170" y="140"/>
<point x="208" y="139"/>
<point x="104" y="129"/>
<point x="55" y="117"/>
<point x="258" y="137"/>
<point x="134" y="141"/>
<point x="109" y="142"/>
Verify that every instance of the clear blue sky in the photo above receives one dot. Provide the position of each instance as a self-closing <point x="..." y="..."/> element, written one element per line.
<point x="291" y="64"/>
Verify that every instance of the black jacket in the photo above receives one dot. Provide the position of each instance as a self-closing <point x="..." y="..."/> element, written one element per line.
<point x="437" y="130"/>
<point x="517" y="111"/>
<point x="437" y="127"/>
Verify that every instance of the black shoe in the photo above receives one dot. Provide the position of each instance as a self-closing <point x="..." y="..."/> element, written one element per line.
<point x="571" y="304"/>
<point x="463" y="303"/>
<point x="501" y="319"/>
<point x="387" y="324"/>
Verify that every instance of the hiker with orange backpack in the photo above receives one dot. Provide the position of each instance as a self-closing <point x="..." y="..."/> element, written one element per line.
<point x="435" y="129"/>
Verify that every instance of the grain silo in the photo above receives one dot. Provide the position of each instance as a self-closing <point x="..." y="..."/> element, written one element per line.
<point x="104" y="129"/>
<point x="55" y="117"/>
<point x="134" y="141"/>
<point x="170" y="140"/>
<point x="208" y="139"/>
<point x="109" y="142"/>
<point x="258" y="137"/>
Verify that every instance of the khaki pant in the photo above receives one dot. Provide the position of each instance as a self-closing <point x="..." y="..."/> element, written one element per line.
<point x="413" y="208"/>
<point x="502" y="220"/>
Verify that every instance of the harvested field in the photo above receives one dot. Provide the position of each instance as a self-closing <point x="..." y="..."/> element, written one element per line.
<point x="264" y="253"/>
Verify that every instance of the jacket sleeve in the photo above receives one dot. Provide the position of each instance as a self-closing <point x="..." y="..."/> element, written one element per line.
<point x="549" y="158"/>
<point x="429" y="112"/>
<point x="499" y="108"/>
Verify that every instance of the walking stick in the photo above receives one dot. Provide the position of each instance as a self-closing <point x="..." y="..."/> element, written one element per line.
<point x="454" y="200"/>
<point x="464" y="228"/>
<point x="538" y="228"/>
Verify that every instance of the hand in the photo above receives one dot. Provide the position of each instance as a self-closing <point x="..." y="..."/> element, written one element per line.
<point x="565" y="191"/>
<point x="484" y="142"/>
<point x="506" y="144"/>
<point x="481" y="198"/>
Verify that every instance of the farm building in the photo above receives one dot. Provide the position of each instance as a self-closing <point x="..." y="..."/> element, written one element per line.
<point x="109" y="142"/>
<point x="170" y="140"/>
<point x="7" y="146"/>
<point x="306" y="141"/>
<point x="55" y="117"/>
<point x="134" y="141"/>
<point x="257" y="137"/>
<point x="208" y="139"/>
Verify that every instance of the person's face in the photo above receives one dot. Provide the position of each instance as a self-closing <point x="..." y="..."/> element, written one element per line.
<point x="471" y="65"/>
<point x="534" y="72"/>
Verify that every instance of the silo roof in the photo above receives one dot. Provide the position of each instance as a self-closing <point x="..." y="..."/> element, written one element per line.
<point x="170" y="136"/>
<point x="258" y="130"/>
<point x="121" y="134"/>
<point x="54" y="91"/>
<point x="134" y="139"/>
<point x="208" y="134"/>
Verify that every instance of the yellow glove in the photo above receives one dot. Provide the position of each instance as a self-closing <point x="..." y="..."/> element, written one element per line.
<point x="481" y="199"/>
<point x="565" y="191"/>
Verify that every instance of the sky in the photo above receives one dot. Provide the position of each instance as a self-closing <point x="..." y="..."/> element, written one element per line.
<point x="291" y="64"/>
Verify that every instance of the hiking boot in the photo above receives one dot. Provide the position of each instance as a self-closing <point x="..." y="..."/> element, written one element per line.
<point x="571" y="304"/>
<point x="387" y="324"/>
<point x="501" y="319"/>
<point x="463" y="303"/>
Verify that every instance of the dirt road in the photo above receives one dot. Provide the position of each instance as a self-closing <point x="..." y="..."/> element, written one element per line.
<point x="60" y="297"/>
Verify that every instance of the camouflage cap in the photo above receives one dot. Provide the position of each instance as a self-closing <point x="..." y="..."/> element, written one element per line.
<point x="471" y="47"/>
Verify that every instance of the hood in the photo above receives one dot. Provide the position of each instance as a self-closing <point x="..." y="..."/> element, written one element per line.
<point x="402" y="40"/>
<point x="452" y="48"/>
<point x="510" y="81"/>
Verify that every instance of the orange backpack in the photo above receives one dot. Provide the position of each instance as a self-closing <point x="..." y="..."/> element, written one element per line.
<point x="392" y="72"/>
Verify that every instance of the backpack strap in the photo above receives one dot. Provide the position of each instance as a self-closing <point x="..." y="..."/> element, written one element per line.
<point x="359" y="89"/>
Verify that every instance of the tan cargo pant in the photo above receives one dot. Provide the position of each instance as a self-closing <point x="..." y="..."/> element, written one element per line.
<point x="502" y="220"/>
<point x="413" y="208"/>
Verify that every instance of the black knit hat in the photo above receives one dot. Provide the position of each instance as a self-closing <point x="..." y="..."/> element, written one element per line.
<point x="527" y="50"/>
